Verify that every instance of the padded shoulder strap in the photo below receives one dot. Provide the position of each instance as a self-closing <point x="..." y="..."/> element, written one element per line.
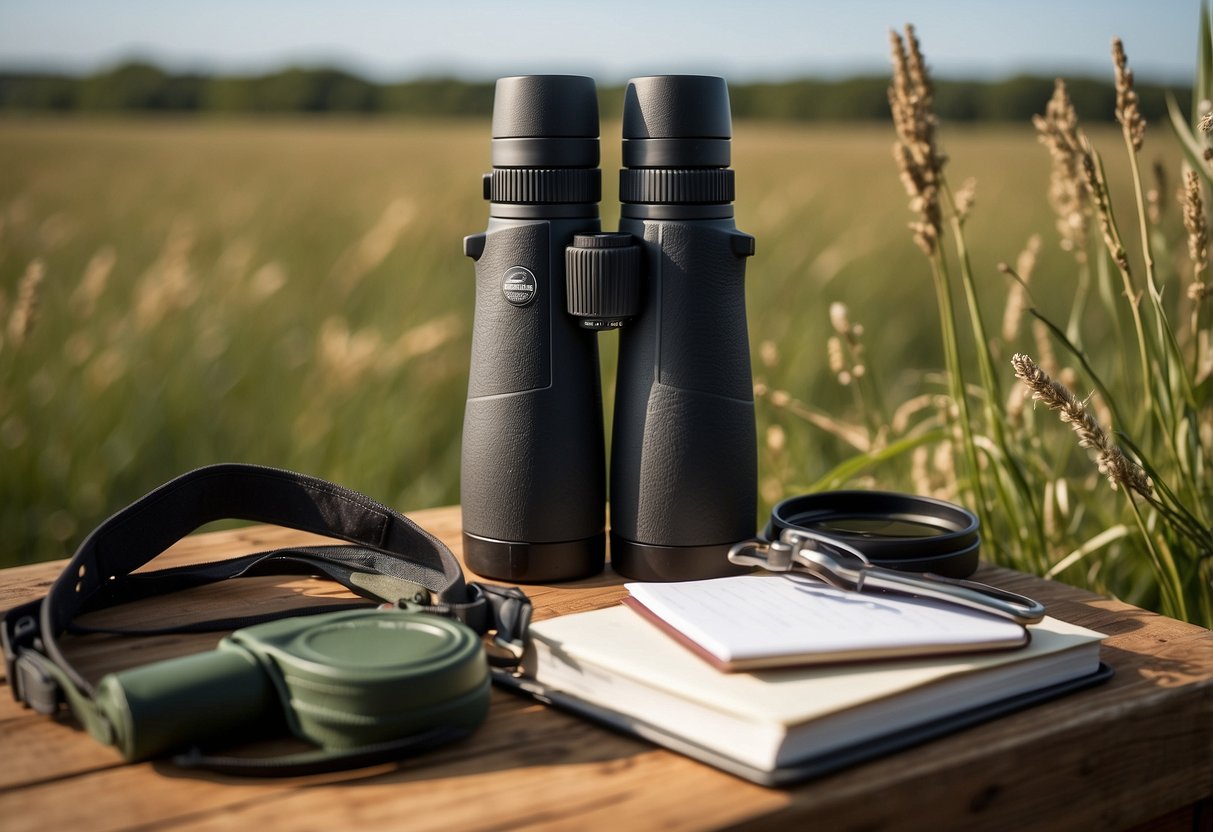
<point x="97" y="574"/>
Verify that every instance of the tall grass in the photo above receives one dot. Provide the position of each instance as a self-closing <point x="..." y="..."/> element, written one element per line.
<point x="293" y="293"/>
<point x="1045" y="508"/>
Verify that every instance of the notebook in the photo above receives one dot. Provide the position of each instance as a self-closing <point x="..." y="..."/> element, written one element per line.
<point x="757" y="621"/>
<point x="779" y="726"/>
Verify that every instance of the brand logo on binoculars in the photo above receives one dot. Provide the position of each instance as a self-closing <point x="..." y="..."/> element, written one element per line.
<point x="519" y="285"/>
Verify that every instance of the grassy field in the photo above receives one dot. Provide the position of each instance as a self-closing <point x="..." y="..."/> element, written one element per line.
<point x="293" y="293"/>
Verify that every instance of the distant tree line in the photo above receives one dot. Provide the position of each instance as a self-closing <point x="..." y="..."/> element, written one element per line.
<point x="142" y="87"/>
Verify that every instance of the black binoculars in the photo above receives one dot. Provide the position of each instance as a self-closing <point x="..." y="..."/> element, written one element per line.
<point x="683" y="467"/>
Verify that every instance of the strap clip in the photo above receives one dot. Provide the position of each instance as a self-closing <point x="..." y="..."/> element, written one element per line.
<point x="21" y="633"/>
<point x="511" y="619"/>
<point x="34" y="686"/>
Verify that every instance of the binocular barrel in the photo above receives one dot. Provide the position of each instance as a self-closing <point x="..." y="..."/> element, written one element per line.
<point x="683" y="477"/>
<point x="683" y="453"/>
<point x="533" y="476"/>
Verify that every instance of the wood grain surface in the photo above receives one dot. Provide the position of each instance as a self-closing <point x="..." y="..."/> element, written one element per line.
<point x="1137" y="751"/>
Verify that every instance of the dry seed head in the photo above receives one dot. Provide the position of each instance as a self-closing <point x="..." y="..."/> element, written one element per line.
<point x="1015" y="401"/>
<point x="419" y="340"/>
<point x="1113" y="464"/>
<point x="267" y="280"/>
<point x="839" y="318"/>
<point x="1058" y="130"/>
<point x="106" y="368"/>
<point x="844" y="350"/>
<point x="911" y="97"/>
<point x="916" y="65"/>
<point x="777" y="439"/>
<point x="1155" y="204"/>
<point x="25" y="308"/>
<point x="1017" y="295"/>
<point x="346" y="356"/>
<point x="78" y="348"/>
<point x="838" y="362"/>
<point x="966" y="198"/>
<point x="376" y="244"/>
<point x="1044" y="346"/>
<point x="92" y="285"/>
<point x="908" y="409"/>
<point x="1128" y="113"/>
<point x="768" y="353"/>
<point x="1206" y="123"/>
<point x="1025" y="264"/>
<point x="169" y="285"/>
<point x="1197" y="228"/>
<point x="1103" y="209"/>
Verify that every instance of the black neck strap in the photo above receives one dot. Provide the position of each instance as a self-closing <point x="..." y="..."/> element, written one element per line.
<point x="391" y="560"/>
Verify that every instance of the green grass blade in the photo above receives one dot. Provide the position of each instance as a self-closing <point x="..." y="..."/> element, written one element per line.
<point x="1202" y="90"/>
<point x="850" y="468"/>
<point x="1188" y="142"/>
<point x="1099" y="541"/>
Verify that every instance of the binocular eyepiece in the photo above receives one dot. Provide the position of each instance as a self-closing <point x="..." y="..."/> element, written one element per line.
<point x="683" y="458"/>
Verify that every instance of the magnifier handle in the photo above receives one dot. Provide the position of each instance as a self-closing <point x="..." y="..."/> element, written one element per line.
<point x="971" y="594"/>
<point x="775" y="556"/>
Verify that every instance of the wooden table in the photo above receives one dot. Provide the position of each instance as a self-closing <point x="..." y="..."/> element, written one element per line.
<point x="1136" y="751"/>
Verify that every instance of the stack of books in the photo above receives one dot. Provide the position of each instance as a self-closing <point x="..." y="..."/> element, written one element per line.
<point x="779" y="679"/>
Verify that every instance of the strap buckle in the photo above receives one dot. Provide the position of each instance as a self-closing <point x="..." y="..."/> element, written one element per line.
<point x="31" y="684"/>
<point x="510" y="613"/>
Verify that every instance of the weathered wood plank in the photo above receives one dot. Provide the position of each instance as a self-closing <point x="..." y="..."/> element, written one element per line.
<point x="1112" y="757"/>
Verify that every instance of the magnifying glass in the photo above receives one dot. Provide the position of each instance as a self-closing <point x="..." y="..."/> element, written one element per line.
<point x="896" y="531"/>
<point x="883" y="541"/>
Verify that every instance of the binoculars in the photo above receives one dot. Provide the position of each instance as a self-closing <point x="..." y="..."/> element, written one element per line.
<point x="683" y="458"/>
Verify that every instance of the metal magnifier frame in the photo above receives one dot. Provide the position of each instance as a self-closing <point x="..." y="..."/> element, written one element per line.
<point x="896" y="531"/>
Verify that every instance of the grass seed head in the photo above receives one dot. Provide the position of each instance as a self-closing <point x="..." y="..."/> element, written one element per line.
<point x="1128" y="113"/>
<point x="1069" y="197"/>
<point x="1098" y="190"/>
<point x="1156" y="206"/>
<point x="966" y="198"/>
<point x="1121" y="471"/>
<point x="1198" y="233"/>
<point x="911" y="100"/>
<point x="92" y="284"/>
<point x="1017" y="295"/>
<point x="25" y="308"/>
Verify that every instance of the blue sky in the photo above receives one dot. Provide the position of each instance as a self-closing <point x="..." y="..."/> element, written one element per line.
<point x="763" y="39"/>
